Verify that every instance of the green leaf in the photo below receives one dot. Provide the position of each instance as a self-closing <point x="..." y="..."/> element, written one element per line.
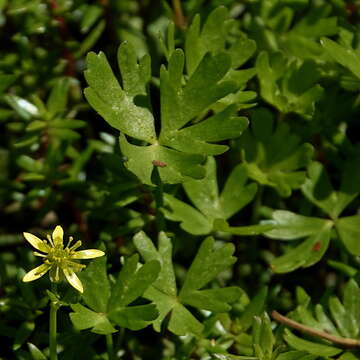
<point x="347" y="315"/>
<point x="288" y="225"/>
<point x="35" y="352"/>
<point x="318" y="189"/>
<point x="134" y="317"/>
<point x="115" y="103"/>
<point x="349" y="232"/>
<point x="212" y="38"/>
<point x="273" y="156"/>
<point x="204" y="194"/>
<point x="180" y="150"/>
<point x="310" y="347"/>
<point x="91" y="39"/>
<point x="96" y="285"/>
<point x="309" y="252"/>
<point x="111" y="303"/>
<point x="234" y="357"/>
<point x="263" y="338"/>
<point x="344" y="55"/>
<point x="206" y="265"/>
<point x="57" y="100"/>
<point x="23" y="108"/>
<point x="131" y="283"/>
<point x="192" y="220"/>
<point x="29" y="164"/>
<point x="254" y="308"/>
<point x="288" y="86"/>
<point x="84" y="318"/>
<point x="344" y="319"/>
<point x="296" y="355"/>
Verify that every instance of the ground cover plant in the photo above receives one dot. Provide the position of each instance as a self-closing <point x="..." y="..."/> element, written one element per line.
<point x="179" y="180"/>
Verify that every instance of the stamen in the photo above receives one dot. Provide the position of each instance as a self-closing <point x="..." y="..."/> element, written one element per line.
<point x="76" y="245"/>
<point x="39" y="254"/>
<point x="75" y="265"/>
<point x="50" y="240"/>
<point x="57" y="277"/>
<point x="70" y="241"/>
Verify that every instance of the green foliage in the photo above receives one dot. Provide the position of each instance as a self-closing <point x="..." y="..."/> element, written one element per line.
<point x="337" y="318"/>
<point x="207" y="264"/>
<point x="294" y="90"/>
<point x="179" y="150"/>
<point x="272" y="155"/>
<point x="109" y="305"/>
<point x="211" y="205"/>
<point x="238" y="121"/>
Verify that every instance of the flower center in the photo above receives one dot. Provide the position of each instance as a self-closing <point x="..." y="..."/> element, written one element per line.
<point x="57" y="255"/>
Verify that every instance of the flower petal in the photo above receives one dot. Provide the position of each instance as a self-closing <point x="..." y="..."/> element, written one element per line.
<point x="36" y="242"/>
<point x="36" y="273"/>
<point x="73" y="280"/>
<point x="87" y="254"/>
<point x="58" y="235"/>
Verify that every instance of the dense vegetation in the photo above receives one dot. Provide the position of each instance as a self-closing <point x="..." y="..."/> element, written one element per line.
<point x="210" y="149"/>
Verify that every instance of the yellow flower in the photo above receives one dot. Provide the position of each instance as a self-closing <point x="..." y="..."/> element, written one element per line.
<point x="58" y="260"/>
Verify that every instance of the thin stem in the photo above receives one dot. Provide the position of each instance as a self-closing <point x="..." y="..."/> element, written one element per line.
<point x="180" y="19"/>
<point x="257" y="205"/>
<point x="159" y="196"/>
<point x="52" y="332"/>
<point x="110" y="346"/>
<point x="345" y="342"/>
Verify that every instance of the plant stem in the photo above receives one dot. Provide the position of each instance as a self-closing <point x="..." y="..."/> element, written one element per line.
<point x="159" y="200"/>
<point x="346" y="342"/>
<point x="110" y="346"/>
<point x="180" y="19"/>
<point x="257" y="205"/>
<point x="52" y="332"/>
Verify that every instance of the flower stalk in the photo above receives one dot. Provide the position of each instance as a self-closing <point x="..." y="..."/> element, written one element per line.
<point x="53" y="330"/>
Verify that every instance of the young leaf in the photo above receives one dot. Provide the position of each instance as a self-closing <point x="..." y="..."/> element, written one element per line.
<point x="273" y="156"/>
<point x="212" y="37"/>
<point x="288" y="86"/>
<point x="208" y="263"/>
<point x="263" y="338"/>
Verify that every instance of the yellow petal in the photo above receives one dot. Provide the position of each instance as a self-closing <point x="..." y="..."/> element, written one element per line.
<point x="87" y="254"/>
<point x="58" y="235"/>
<point x="36" y="242"/>
<point x="73" y="280"/>
<point x="36" y="273"/>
